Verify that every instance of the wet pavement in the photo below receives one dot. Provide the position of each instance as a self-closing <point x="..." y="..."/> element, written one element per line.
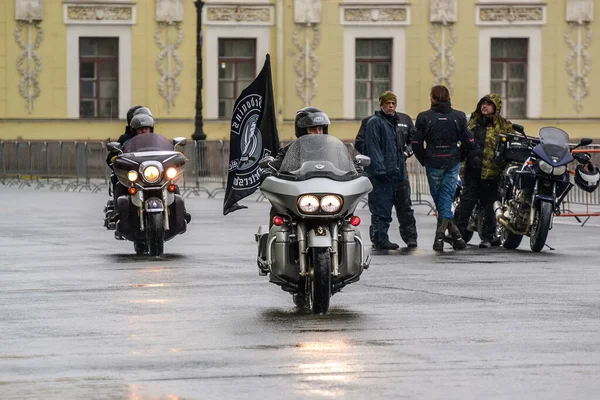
<point x="82" y="317"/>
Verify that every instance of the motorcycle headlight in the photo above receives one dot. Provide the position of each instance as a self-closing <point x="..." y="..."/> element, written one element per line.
<point x="151" y="174"/>
<point x="171" y="173"/>
<point x="331" y="203"/>
<point x="545" y="167"/>
<point x="560" y="170"/>
<point x="132" y="176"/>
<point x="308" y="203"/>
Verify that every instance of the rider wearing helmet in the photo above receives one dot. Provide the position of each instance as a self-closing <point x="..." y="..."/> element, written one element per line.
<point x="309" y="121"/>
<point x="129" y="133"/>
<point x="587" y="177"/>
<point x="142" y="123"/>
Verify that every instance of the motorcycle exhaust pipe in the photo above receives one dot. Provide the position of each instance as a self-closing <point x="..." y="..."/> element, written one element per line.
<point x="500" y="215"/>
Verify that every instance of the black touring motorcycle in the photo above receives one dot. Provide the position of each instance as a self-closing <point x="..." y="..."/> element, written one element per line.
<point x="534" y="183"/>
<point x="148" y="207"/>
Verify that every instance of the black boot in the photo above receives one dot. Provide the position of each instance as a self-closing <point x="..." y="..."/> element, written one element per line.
<point x="440" y="231"/>
<point x="458" y="242"/>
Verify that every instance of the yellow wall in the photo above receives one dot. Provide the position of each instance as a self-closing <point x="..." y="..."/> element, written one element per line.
<point x="49" y="117"/>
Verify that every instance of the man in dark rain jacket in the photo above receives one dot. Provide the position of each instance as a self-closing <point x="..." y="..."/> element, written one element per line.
<point x="481" y="171"/>
<point x="386" y="136"/>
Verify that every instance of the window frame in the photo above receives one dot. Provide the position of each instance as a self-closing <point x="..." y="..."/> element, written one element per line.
<point x="399" y="70"/>
<point x="372" y="62"/>
<point x="123" y="32"/>
<point x="97" y="60"/>
<point x="236" y="61"/>
<point x="507" y="61"/>
<point x="535" y="71"/>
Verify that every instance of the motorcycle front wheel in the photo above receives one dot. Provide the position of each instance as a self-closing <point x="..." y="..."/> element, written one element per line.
<point x="321" y="279"/>
<point x="140" y="247"/>
<point x="156" y="234"/>
<point x="541" y="226"/>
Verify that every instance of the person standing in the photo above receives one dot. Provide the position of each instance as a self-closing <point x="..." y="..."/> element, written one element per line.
<point x="481" y="171"/>
<point x="402" y="203"/>
<point x="385" y="135"/>
<point x="442" y="135"/>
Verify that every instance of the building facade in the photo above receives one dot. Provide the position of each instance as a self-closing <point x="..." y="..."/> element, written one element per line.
<point x="70" y="69"/>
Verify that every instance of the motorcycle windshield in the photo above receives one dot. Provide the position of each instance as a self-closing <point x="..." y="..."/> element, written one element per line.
<point x="147" y="142"/>
<point x="312" y="156"/>
<point x="554" y="142"/>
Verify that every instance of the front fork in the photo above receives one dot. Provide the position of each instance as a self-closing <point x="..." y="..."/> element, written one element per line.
<point x="152" y="205"/>
<point x="537" y="197"/>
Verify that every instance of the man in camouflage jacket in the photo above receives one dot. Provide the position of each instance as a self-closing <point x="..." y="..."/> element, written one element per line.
<point x="481" y="171"/>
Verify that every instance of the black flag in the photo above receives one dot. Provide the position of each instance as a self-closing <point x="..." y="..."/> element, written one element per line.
<point x="253" y="135"/>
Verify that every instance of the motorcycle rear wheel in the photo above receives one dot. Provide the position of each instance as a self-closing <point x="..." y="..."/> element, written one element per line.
<point x="541" y="226"/>
<point x="156" y="234"/>
<point x="321" y="279"/>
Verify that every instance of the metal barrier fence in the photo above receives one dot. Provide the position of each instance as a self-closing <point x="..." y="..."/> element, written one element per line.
<point x="81" y="165"/>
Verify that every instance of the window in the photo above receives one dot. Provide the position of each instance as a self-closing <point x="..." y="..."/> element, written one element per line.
<point x="373" y="69"/>
<point x="237" y="70"/>
<point x="509" y="75"/>
<point x="98" y="77"/>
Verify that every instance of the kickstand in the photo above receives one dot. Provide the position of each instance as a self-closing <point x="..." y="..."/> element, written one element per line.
<point x="550" y="247"/>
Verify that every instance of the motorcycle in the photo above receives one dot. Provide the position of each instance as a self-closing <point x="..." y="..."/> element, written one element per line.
<point x="534" y="183"/>
<point x="148" y="207"/>
<point x="313" y="247"/>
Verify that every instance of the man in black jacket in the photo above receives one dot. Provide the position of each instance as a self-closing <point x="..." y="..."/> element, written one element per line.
<point x="436" y="145"/>
<point x="402" y="203"/>
<point x="384" y="137"/>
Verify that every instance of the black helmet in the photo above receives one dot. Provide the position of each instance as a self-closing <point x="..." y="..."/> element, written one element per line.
<point x="143" y="110"/>
<point x="587" y="177"/>
<point x="141" y="121"/>
<point x="310" y="116"/>
<point x="130" y="113"/>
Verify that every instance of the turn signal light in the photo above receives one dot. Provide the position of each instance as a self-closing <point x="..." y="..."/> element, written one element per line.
<point x="171" y="188"/>
<point x="354" y="220"/>
<point x="132" y="190"/>
<point x="277" y="220"/>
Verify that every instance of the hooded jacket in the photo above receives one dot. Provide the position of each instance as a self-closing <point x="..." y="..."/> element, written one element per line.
<point x="486" y="131"/>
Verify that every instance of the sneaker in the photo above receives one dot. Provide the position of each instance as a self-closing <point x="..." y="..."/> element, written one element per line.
<point x="411" y="243"/>
<point x="188" y="217"/>
<point x="485" y="244"/>
<point x="387" y="245"/>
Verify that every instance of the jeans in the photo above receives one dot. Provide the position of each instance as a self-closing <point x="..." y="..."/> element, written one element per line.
<point x="442" y="186"/>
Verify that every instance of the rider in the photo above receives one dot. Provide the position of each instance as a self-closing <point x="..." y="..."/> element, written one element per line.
<point x="309" y="121"/>
<point x="128" y="134"/>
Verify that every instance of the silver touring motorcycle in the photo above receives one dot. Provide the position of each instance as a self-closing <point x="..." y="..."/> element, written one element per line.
<point x="313" y="247"/>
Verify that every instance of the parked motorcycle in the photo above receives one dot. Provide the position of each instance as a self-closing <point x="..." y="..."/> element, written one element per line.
<point x="148" y="207"/>
<point x="534" y="183"/>
<point x="313" y="247"/>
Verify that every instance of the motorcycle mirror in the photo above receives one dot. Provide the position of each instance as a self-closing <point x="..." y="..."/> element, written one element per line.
<point x="113" y="147"/>
<point x="264" y="163"/>
<point x="585" y="141"/>
<point x="362" y="161"/>
<point x="179" y="141"/>
<point x="519" y="128"/>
